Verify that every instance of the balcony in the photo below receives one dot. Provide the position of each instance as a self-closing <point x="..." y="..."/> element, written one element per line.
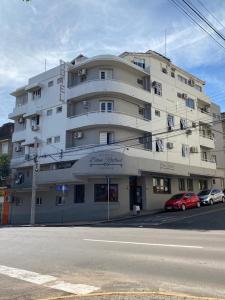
<point x="108" y="118"/>
<point x="19" y="110"/>
<point x="111" y="86"/>
<point x="206" y="140"/>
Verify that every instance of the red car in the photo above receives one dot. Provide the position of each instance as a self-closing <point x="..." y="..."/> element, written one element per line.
<point x="182" y="201"/>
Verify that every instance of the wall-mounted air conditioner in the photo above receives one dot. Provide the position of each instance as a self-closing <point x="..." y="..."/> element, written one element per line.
<point x="78" y="135"/>
<point x="35" y="128"/>
<point x="18" y="148"/>
<point x="169" y="145"/>
<point x="188" y="131"/>
<point x="82" y="72"/>
<point x="184" y="96"/>
<point x="193" y="149"/>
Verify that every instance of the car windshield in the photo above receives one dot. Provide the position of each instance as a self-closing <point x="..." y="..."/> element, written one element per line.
<point x="177" y="196"/>
<point x="203" y="193"/>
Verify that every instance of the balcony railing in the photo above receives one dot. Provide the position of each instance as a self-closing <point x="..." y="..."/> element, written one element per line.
<point x="206" y="135"/>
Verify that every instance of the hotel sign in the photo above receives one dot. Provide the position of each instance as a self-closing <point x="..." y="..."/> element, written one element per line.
<point x="106" y="160"/>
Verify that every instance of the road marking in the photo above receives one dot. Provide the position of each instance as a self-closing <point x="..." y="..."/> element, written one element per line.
<point x="47" y="281"/>
<point x="145" y="244"/>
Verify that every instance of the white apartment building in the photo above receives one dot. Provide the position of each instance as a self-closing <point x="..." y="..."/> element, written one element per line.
<point x="135" y="121"/>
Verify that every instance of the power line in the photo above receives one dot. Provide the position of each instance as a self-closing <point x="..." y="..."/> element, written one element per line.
<point x="193" y="20"/>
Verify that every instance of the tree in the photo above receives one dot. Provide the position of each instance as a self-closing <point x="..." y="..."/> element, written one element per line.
<point x="4" y="168"/>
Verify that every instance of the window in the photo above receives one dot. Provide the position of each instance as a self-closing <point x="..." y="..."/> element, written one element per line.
<point x="101" y="192"/>
<point x="105" y="74"/>
<point x="49" y="141"/>
<point x="157" y="113"/>
<point x="203" y="184"/>
<point x="204" y="156"/>
<point x="36" y="94"/>
<point x="146" y="140"/>
<point x="59" y="80"/>
<point x="172" y="74"/>
<point x="170" y="122"/>
<point x="213" y="158"/>
<point x="214" y="181"/>
<point x="161" y="185"/>
<point x="35" y="120"/>
<point x="38" y="201"/>
<point x="159" y="145"/>
<point x="106" y="106"/>
<point x="181" y="183"/>
<point x="185" y="150"/>
<point x="198" y="87"/>
<point x="190" y="103"/>
<point x="157" y="87"/>
<point x="183" y="124"/>
<point x="59" y="109"/>
<point x="49" y="112"/>
<point x="140" y="62"/>
<point x="5" y="148"/>
<point x="106" y="138"/>
<point x="79" y="192"/>
<point x="190" y="186"/>
<point x="182" y="79"/>
<point x="50" y="83"/>
<point x="59" y="200"/>
<point x="57" y="139"/>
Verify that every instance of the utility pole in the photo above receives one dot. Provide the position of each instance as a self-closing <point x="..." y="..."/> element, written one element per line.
<point x="108" y="198"/>
<point x="34" y="185"/>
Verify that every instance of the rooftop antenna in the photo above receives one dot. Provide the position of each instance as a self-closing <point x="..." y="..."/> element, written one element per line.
<point x="165" y="42"/>
<point x="45" y="64"/>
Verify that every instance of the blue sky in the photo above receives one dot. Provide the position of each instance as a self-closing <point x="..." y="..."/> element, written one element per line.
<point x="31" y="32"/>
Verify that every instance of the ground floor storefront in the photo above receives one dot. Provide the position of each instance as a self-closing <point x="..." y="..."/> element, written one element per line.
<point x="102" y="198"/>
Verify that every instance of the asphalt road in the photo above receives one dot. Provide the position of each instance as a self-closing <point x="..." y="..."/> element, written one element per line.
<point x="174" y="252"/>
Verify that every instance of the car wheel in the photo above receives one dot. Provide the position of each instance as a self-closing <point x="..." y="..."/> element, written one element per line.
<point x="223" y="199"/>
<point x="183" y="207"/>
<point x="198" y="204"/>
<point x="211" y="202"/>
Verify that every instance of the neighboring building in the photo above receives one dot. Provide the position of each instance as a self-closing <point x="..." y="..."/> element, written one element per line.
<point x="136" y="119"/>
<point x="223" y="125"/>
<point x="6" y="131"/>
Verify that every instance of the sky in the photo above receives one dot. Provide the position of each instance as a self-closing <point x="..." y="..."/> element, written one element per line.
<point x="33" y="31"/>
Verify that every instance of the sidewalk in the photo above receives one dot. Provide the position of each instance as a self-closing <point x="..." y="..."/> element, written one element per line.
<point x="91" y="223"/>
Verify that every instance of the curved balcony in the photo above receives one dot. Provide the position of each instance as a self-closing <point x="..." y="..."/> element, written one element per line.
<point x="108" y="118"/>
<point x="93" y="87"/>
<point x="206" y="141"/>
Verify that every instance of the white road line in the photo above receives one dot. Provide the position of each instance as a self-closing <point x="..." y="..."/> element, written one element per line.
<point x="47" y="281"/>
<point x="26" y="275"/>
<point x="78" y="289"/>
<point x="145" y="244"/>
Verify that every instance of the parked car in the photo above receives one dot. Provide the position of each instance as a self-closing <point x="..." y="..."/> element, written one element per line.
<point x="182" y="201"/>
<point x="211" y="196"/>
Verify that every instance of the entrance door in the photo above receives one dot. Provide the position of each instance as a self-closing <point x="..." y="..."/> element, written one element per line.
<point x="135" y="193"/>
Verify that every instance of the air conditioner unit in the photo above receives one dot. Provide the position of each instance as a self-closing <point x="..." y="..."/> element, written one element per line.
<point x="191" y="82"/>
<point x="154" y="83"/>
<point x="188" y="131"/>
<point x="18" y="148"/>
<point x="78" y="135"/>
<point x="82" y="72"/>
<point x="21" y="120"/>
<point x="164" y="70"/>
<point x="169" y="145"/>
<point x="179" y="95"/>
<point x="184" y="96"/>
<point x="193" y="149"/>
<point x="27" y="156"/>
<point x="194" y="124"/>
<point x="35" y="127"/>
<point x="85" y="104"/>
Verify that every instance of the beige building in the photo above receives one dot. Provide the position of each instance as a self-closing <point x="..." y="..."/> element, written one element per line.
<point x="135" y="121"/>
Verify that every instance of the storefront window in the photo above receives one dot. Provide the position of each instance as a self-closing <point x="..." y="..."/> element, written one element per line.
<point x="101" y="192"/>
<point x="203" y="184"/>
<point x="190" y="184"/>
<point x="161" y="185"/>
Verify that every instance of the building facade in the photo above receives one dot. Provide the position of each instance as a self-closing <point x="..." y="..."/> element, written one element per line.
<point x="111" y="132"/>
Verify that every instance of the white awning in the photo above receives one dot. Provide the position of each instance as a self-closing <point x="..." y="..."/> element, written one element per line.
<point x="19" y="91"/>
